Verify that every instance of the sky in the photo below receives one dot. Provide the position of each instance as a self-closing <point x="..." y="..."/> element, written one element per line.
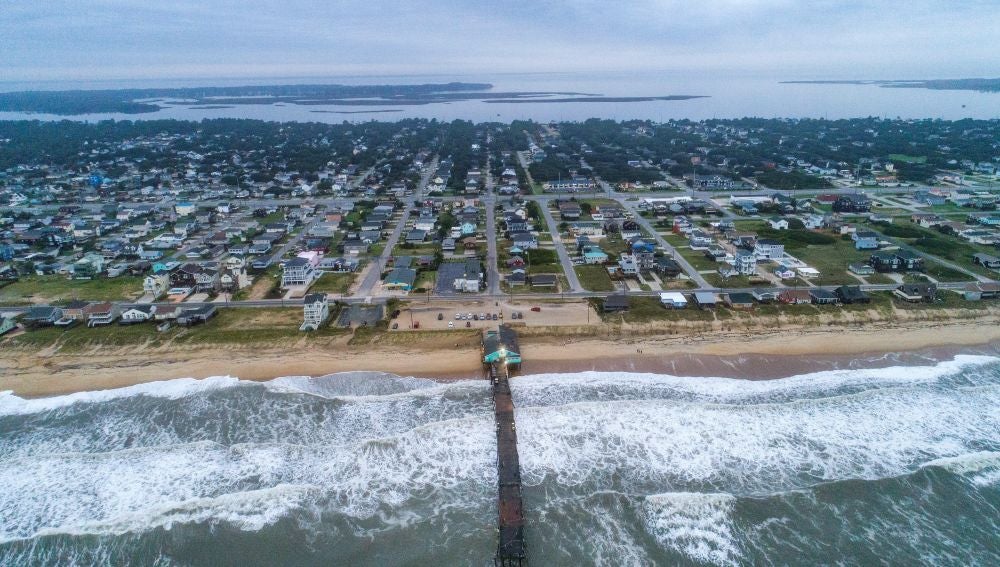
<point x="67" y="40"/>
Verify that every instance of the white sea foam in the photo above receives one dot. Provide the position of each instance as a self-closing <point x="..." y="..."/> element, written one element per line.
<point x="136" y="489"/>
<point x="739" y="448"/>
<point x="981" y="467"/>
<point x="555" y="389"/>
<point x="170" y="389"/>
<point x="341" y="385"/>
<point x="697" y="525"/>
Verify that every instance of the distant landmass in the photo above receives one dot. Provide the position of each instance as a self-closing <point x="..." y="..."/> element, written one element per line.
<point x="980" y="85"/>
<point x="600" y="99"/>
<point x="140" y="101"/>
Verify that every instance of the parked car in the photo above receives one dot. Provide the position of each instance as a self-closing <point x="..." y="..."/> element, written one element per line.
<point x="458" y="316"/>
<point x="395" y="326"/>
<point x="536" y="309"/>
<point x="440" y="316"/>
<point x="494" y="316"/>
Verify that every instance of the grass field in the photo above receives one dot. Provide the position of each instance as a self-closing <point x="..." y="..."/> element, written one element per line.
<point x="230" y="326"/>
<point x="908" y="159"/>
<point x="45" y="289"/>
<point x="333" y="283"/>
<point x="594" y="278"/>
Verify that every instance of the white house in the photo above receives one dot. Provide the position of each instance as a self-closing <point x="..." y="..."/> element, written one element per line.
<point x="778" y="223"/>
<point x="315" y="310"/>
<point x="673" y="299"/>
<point x="298" y="272"/>
<point x="767" y="249"/>
<point x="138" y="314"/>
<point x="745" y="263"/>
<point x="155" y="284"/>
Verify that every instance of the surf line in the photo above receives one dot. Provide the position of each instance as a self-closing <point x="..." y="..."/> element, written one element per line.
<point x="501" y="354"/>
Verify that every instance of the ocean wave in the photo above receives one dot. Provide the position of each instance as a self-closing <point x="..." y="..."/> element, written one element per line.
<point x="981" y="467"/>
<point x="169" y="389"/>
<point x="697" y="525"/>
<point x="344" y="385"/>
<point x="637" y="445"/>
<point x="557" y="389"/>
<point x="126" y="490"/>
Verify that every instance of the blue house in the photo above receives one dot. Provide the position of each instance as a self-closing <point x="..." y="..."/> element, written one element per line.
<point x="643" y="246"/>
<point x="865" y="240"/>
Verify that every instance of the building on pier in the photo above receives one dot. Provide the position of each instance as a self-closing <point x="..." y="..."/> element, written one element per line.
<point x="501" y="346"/>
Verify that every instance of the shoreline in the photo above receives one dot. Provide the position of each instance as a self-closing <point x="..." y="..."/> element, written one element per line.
<point x="752" y="356"/>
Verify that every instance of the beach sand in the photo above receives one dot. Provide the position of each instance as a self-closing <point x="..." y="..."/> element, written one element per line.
<point x="754" y="355"/>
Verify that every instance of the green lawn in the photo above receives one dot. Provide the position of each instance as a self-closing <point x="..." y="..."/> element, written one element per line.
<point x="594" y="278"/>
<point x="46" y="289"/>
<point x="645" y="309"/>
<point x="230" y="326"/>
<point x="908" y="159"/>
<point x="698" y="259"/>
<point x="333" y="283"/>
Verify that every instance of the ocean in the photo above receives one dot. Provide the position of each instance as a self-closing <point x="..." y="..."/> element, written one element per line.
<point x="897" y="465"/>
<point x="730" y="95"/>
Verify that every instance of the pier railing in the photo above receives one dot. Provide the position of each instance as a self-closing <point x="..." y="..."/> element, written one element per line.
<point x="510" y="522"/>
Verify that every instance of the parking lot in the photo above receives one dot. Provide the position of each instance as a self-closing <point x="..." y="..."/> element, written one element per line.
<point x="426" y="315"/>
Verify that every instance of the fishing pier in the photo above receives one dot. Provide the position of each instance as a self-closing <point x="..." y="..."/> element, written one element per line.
<point x="501" y="355"/>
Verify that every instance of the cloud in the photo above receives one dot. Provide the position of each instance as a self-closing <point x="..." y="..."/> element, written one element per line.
<point x="133" y="39"/>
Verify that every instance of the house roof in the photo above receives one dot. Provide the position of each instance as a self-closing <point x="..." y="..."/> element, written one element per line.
<point x="314" y="298"/>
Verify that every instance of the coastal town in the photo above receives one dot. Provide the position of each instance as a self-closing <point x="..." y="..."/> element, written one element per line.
<point x="427" y="226"/>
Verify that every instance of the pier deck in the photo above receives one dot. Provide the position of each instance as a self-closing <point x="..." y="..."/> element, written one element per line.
<point x="510" y="545"/>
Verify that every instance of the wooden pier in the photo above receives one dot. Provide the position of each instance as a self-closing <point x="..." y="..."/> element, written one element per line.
<point x="510" y="521"/>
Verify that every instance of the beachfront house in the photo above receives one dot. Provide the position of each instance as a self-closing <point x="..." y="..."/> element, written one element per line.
<point x="315" y="311"/>
<point x="137" y="314"/>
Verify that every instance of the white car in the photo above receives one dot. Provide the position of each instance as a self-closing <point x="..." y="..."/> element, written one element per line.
<point x="451" y="324"/>
<point x="458" y="316"/>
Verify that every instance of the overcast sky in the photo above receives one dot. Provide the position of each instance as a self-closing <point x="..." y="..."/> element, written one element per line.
<point x="142" y="39"/>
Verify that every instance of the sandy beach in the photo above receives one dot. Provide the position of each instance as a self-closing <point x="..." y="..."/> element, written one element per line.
<point x="754" y="355"/>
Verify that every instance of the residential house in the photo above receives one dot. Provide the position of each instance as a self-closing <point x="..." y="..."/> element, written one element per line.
<point x="673" y="299"/>
<point x="524" y="240"/>
<point x="101" y="314"/>
<point x="74" y="310"/>
<point x="745" y="263"/>
<point x="916" y="292"/>
<point x="986" y="260"/>
<point x="155" y="284"/>
<point x="42" y="316"/>
<point x="315" y="311"/>
<point x="850" y="294"/>
<point x="543" y="280"/>
<point x="471" y="278"/>
<point x="666" y="267"/>
<point x="739" y="300"/>
<point x="865" y="240"/>
<point x="852" y="203"/>
<point x="768" y="249"/>
<point x="820" y="296"/>
<point x="7" y="324"/>
<point x="137" y="314"/>
<point x="594" y="255"/>
<point x="400" y="279"/>
<point x="299" y="272"/>
<point x="795" y="296"/>
<point x="616" y="303"/>
<point x="897" y="261"/>
<point x="705" y="299"/>
<point x="778" y="223"/>
<point x="569" y="211"/>
<point x="193" y="316"/>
